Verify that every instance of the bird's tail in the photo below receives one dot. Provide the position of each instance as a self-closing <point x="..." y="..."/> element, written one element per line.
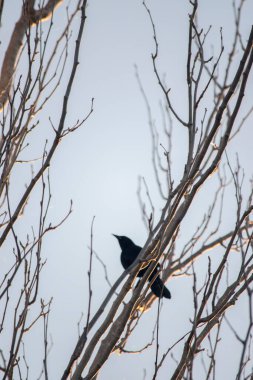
<point x="159" y="289"/>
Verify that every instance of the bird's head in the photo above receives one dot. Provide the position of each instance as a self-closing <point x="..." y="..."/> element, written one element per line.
<point x="124" y="241"/>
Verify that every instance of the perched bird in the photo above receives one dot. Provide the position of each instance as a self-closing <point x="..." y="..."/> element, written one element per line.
<point x="129" y="253"/>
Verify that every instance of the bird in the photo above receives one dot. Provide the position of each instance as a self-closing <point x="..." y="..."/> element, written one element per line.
<point x="129" y="252"/>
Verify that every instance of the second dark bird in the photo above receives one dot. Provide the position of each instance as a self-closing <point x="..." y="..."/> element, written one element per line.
<point x="128" y="254"/>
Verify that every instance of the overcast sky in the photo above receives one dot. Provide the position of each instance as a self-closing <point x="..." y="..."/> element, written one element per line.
<point x="98" y="167"/>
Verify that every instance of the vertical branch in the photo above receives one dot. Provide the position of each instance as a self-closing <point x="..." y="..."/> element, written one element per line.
<point x="191" y="126"/>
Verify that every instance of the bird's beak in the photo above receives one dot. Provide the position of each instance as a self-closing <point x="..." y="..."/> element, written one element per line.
<point x="117" y="237"/>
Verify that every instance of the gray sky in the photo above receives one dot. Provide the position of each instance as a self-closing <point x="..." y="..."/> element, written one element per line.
<point x="98" y="167"/>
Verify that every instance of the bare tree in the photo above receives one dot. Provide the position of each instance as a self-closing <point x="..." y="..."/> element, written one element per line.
<point x="215" y="98"/>
<point x="32" y="71"/>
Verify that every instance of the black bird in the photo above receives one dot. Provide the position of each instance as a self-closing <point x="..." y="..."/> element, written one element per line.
<point x="129" y="253"/>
